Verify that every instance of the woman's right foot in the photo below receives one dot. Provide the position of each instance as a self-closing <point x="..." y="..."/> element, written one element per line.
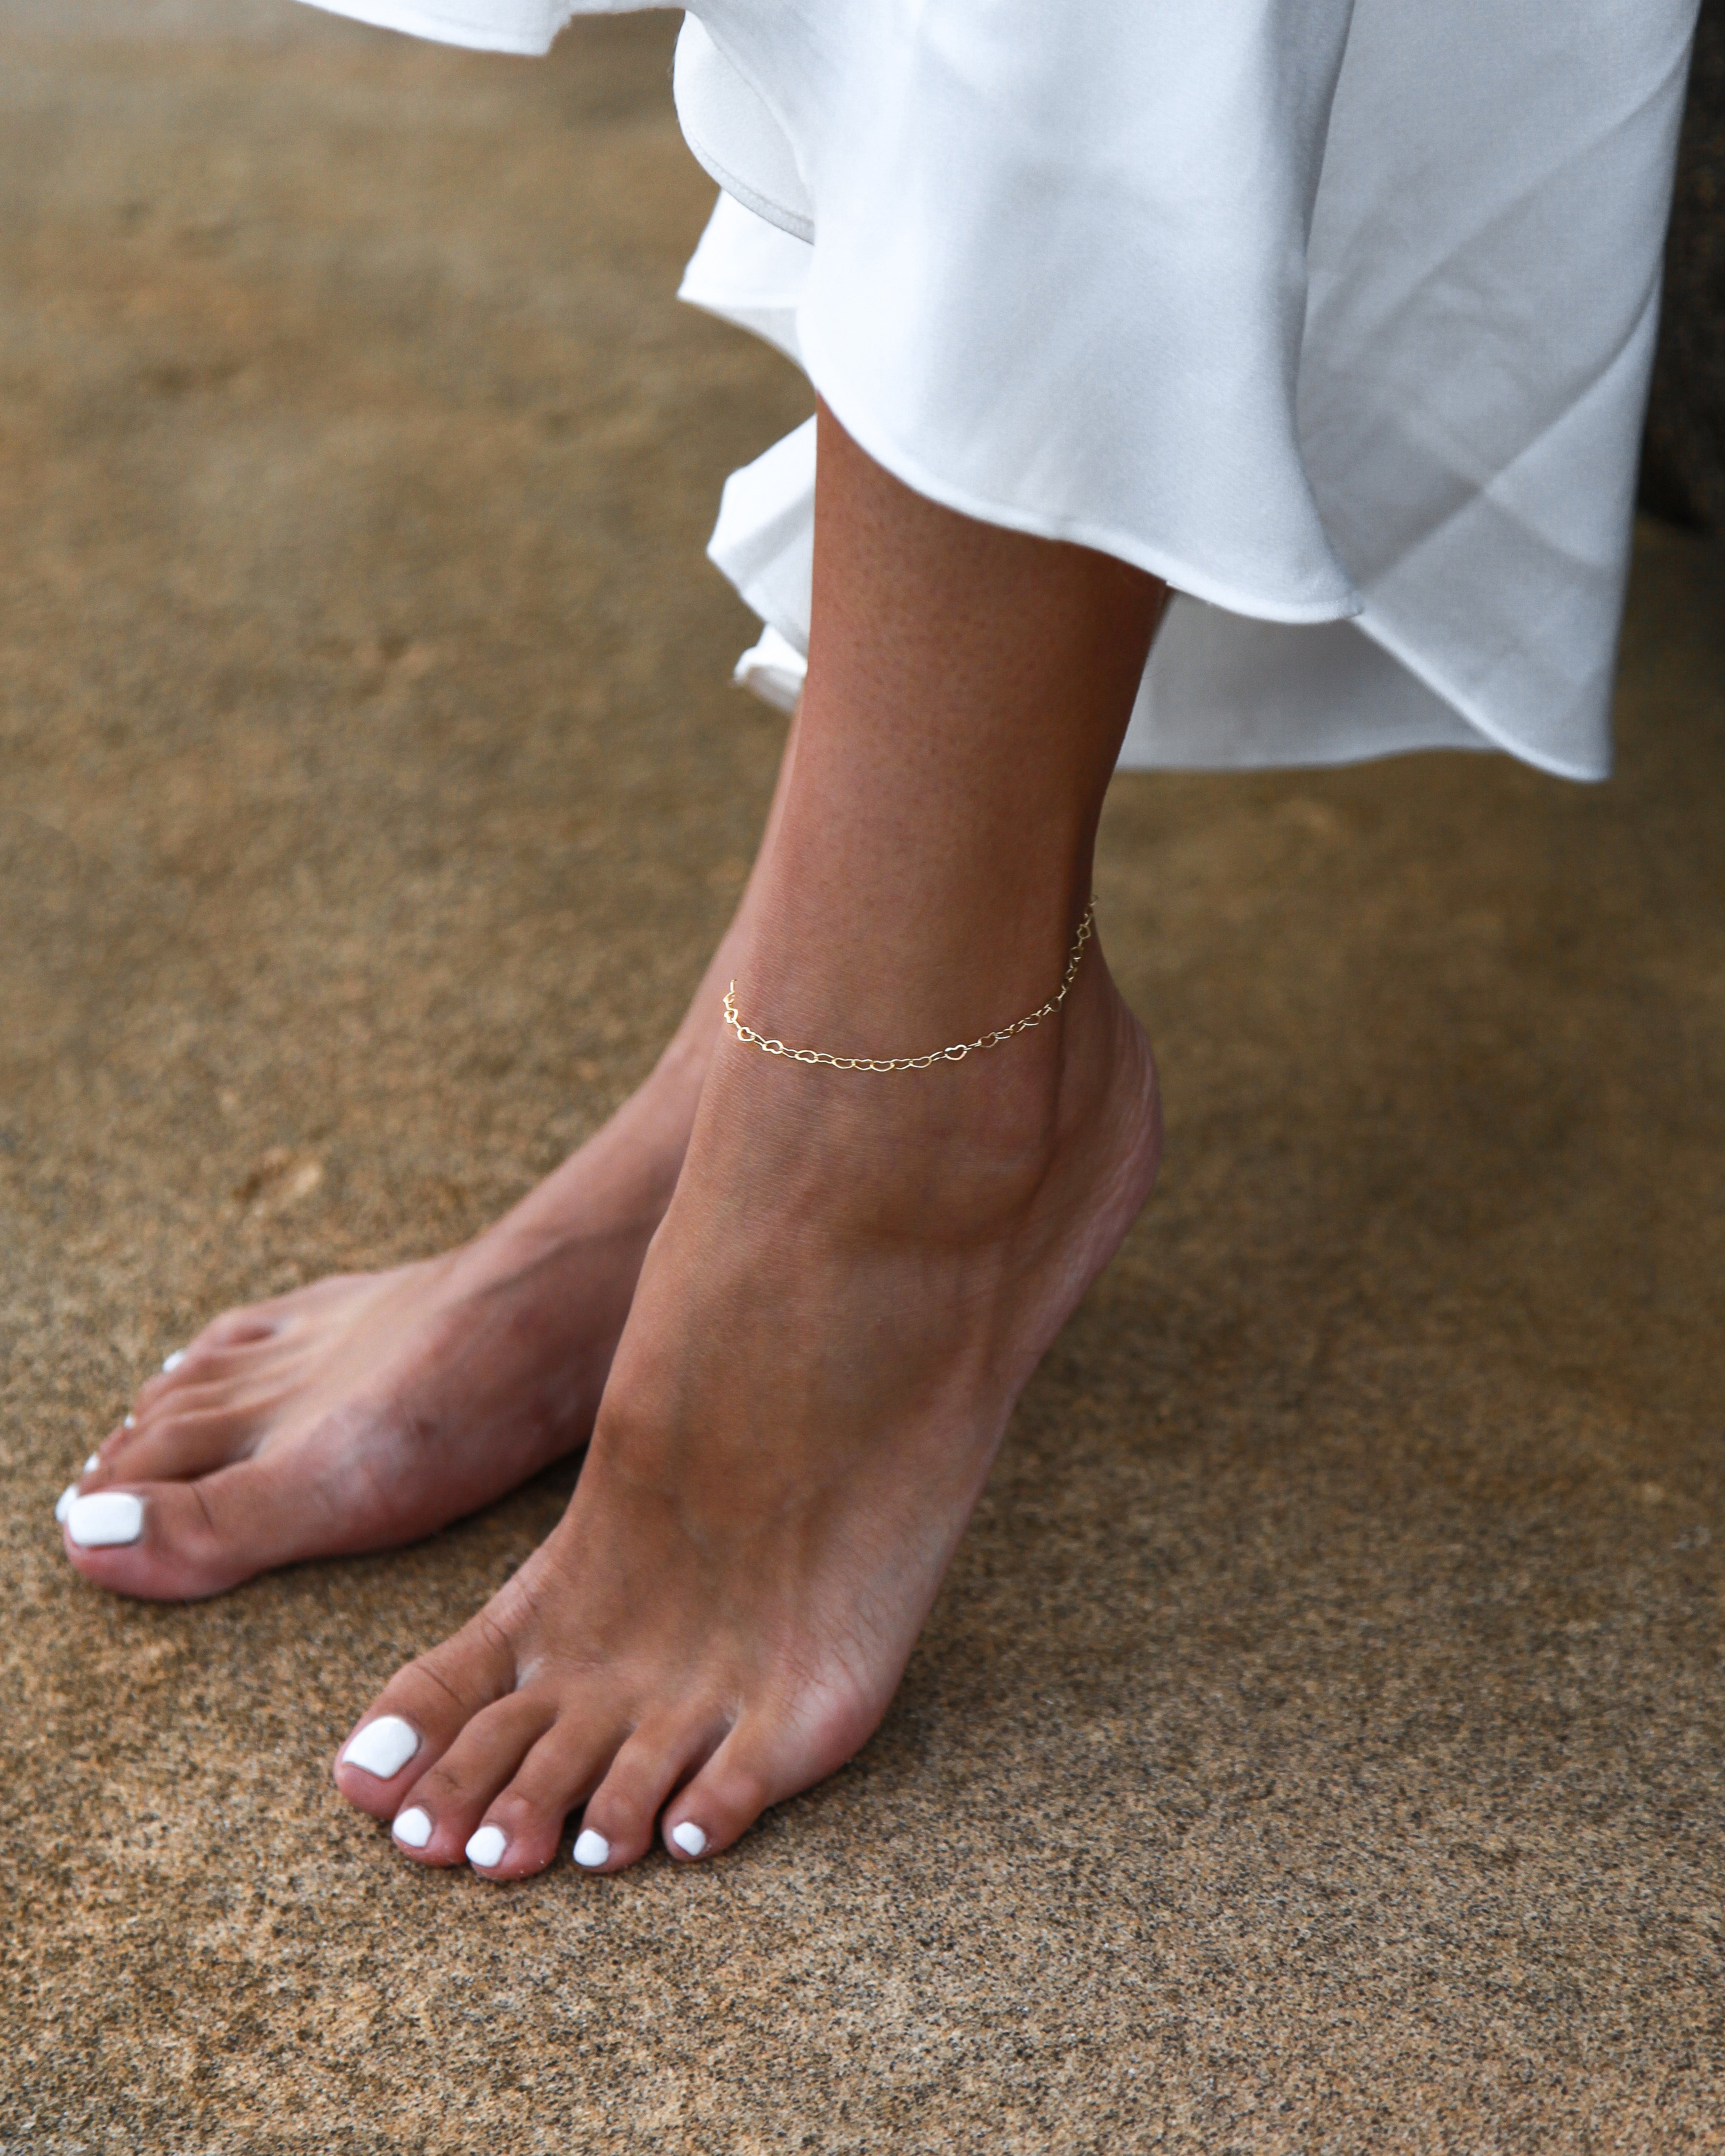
<point x="370" y="1409"/>
<point x="855" y="1279"/>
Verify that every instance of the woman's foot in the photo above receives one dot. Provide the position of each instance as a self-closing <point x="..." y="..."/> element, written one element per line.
<point x="859" y="1270"/>
<point x="367" y="1410"/>
<point x="856" y="1277"/>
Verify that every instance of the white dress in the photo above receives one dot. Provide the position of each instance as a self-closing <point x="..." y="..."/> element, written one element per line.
<point x="1335" y="314"/>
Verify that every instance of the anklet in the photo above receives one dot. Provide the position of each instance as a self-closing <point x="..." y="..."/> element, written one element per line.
<point x="956" y="1054"/>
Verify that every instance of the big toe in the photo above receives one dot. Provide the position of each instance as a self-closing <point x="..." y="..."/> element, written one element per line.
<point x="420" y="1714"/>
<point x="181" y="1541"/>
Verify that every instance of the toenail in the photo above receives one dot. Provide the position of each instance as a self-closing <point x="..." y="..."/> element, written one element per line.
<point x="108" y="1518"/>
<point x="487" y="1847"/>
<point x="383" y="1747"/>
<point x="63" y="1503"/>
<point x="175" y="1360"/>
<point x="689" y="1838"/>
<point x="591" y="1848"/>
<point x="412" y="1828"/>
<point x="94" y="1462"/>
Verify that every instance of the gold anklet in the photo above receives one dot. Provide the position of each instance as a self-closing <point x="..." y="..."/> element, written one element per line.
<point x="956" y="1054"/>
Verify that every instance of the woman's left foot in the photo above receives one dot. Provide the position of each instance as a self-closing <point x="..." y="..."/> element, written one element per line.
<point x="366" y="1411"/>
<point x="856" y="1277"/>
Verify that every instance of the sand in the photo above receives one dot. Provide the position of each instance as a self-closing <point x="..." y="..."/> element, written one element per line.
<point x="1316" y="1745"/>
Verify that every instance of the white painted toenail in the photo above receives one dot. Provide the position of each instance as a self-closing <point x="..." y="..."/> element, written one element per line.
<point x="63" y="1503"/>
<point x="591" y="1848"/>
<point x="130" y="1422"/>
<point x="108" y="1518"/>
<point x="487" y="1847"/>
<point x="383" y="1747"/>
<point x="94" y="1462"/>
<point x="175" y="1360"/>
<point x="412" y="1828"/>
<point x="689" y="1838"/>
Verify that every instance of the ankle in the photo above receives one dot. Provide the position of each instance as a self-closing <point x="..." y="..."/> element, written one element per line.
<point x="958" y="1152"/>
<point x="894" y="972"/>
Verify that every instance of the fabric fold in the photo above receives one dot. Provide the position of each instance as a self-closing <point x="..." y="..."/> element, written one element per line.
<point x="1335" y="314"/>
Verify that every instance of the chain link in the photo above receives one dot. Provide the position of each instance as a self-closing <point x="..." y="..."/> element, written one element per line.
<point x="956" y="1054"/>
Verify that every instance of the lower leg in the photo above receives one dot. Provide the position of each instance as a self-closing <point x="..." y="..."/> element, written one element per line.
<point x="858" y="1271"/>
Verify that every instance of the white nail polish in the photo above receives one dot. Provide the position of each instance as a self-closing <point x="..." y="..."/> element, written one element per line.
<point x="689" y="1838"/>
<point x="591" y="1848"/>
<point x="94" y="1462"/>
<point x="487" y="1847"/>
<point x="383" y="1747"/>
<point x="108" y="1518"/>
<point x="412" y="1828"/>
<point x="63" y="1503"/>
<point x="130" y="1422"/>
<point x="174" y="1360"/>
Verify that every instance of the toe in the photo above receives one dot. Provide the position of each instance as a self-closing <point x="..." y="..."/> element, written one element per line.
<point x="224" y="1354"/>
<point x="744" y="1776"/>
<point x="206" y="1379"/>
<point x="452" y="1794"/>
<point x="188" y="1540"/>
<point x="174" y="1444"/>
<point x="567" y="1761"/>
<point x="239" y="1328"/>
<point x="175" y="1541"/>
<point x="621" y="1811"/>
<point x="433" y="1699"/>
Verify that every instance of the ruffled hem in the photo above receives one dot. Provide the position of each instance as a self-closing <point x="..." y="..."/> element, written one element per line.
<point x="525" y="30"/>
<point x="1336" y="314"/>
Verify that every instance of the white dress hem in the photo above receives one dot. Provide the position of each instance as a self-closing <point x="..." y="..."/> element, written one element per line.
<point x="1181" y="576"/>
<point x="441" y="29"/>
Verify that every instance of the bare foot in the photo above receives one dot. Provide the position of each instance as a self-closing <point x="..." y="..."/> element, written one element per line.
<point x="859" y="1270"/>
<point x="856" y="1277"/>
<point x="367" y="1410"/>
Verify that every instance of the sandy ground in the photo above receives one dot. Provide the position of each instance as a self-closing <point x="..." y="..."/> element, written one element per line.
<point x="1317" y="1746"/>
